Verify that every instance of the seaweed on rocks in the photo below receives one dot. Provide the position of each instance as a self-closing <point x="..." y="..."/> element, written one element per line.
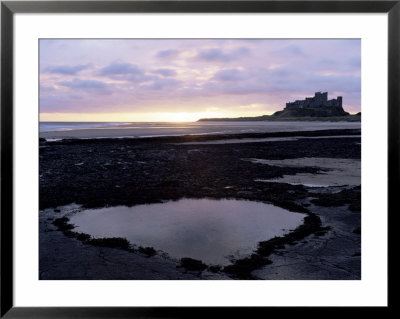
<point x="242" y="268"/>
<point x="62" y="224"/>
<point x="83" y="237"/>
<point x="113" y="242"/>
<point x="192" y="264"/>
<point x="352" y="197"/>
<point x="148" y="251"/>
<point x="215" y="268"/>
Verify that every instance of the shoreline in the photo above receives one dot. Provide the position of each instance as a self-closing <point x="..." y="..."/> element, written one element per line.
<point x="272" y="118"/>
<point x="203" y="137"/>
<point x="198" y="128"/>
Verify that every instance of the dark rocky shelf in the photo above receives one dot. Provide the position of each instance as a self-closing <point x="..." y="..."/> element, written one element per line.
<point x="111" y="172"/>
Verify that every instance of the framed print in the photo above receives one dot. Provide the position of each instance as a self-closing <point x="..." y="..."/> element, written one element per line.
<point x="175" y="158"/>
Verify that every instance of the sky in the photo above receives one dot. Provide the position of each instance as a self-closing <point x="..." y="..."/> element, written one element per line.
<point x="131" y="80"/>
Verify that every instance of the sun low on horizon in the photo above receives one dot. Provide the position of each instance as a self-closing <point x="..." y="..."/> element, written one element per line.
<point x="184" y="80"/>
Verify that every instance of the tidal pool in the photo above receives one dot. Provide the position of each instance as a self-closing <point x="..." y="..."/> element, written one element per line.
<point x="214" y="231"/>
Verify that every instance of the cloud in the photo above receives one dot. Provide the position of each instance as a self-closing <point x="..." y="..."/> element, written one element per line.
<point x="125" y="72"/>
<point x="215" y="54"/>
<point x="87" y="85"/>
<point x="165" y="72"/>
<point x="167" y="54"/>
<point x="160" y="84"/>
<point x="46" y="88"/>
<point x="150" y="75"/>
<point x="289" y="51"/>
<point x="66" y="69"/>
<point x="229" y="75"/>
<point x="60" y="102"/>
<point x="121" y="68"/>
<point x="355" y="62"/>
<point x="267" y="81"/>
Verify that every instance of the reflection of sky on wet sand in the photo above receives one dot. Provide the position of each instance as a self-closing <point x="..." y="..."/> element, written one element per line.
<point x="337" y="171"/>
<point x="205" y="229"/>
<point x="266" y="139"/>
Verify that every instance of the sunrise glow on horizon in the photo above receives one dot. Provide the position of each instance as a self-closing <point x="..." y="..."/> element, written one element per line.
<point x="183" y="80"/>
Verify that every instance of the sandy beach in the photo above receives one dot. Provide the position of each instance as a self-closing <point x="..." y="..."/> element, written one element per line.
<point x="193" y="128"/>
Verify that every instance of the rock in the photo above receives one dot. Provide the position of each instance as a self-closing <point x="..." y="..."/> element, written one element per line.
<point x="149" y="251"/>
<point x="114" y="242"/>
<point x="347" y="196"/>
<point x="242" y="268"/>
<point x="62" y="224"/>
<point x="355" y="207"/>
<point x="83" y="237"/>
<point x="193" y="264"/>
<point x="214" y="268"/>
<point x="244" y="193"/>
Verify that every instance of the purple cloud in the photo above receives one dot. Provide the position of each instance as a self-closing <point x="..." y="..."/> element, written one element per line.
<point x="87" y="85"/>
<point x="167" y="54"/>
<point x="289" y="51"/>
<point x="66" y="69"/>
<point x="355" y="62"/>
<point x="121" y="68"/>
<point x="160" y="84"/>
<point x="282" y="79"/>
<point x="165" y="72"/>
<point x="229" y="75"/>
<point x="219" y="55"/>
<point x="125" y="72"/>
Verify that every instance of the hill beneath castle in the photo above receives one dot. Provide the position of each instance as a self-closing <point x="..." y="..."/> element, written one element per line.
<point x="322" y="111"/>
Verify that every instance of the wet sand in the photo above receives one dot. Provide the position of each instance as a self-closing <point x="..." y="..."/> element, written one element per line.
<point x="261" y="140"/>
<point x="334" y="171"/>
<point x="208" y="128"/>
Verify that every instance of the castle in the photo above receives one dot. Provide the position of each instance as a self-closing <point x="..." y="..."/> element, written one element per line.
<point x="318" y="101"/>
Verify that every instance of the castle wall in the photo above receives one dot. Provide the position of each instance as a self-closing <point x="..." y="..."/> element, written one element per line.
<point x="319" y="100"/>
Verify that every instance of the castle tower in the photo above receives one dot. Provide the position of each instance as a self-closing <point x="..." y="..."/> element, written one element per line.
<point x="340" y="100"/>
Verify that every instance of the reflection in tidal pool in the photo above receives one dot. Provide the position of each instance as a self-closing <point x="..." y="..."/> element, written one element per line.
<point x="213" y="231"/>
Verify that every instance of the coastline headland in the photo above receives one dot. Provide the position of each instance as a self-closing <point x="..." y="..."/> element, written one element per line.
<point x="292" y="118"/>
<point x="316" y="108"/>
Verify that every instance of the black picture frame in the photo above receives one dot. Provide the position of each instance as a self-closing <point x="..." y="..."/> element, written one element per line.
<point x="9" y="8"/>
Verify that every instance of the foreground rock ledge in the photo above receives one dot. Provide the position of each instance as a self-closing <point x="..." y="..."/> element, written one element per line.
<point x="102" y="173"/>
